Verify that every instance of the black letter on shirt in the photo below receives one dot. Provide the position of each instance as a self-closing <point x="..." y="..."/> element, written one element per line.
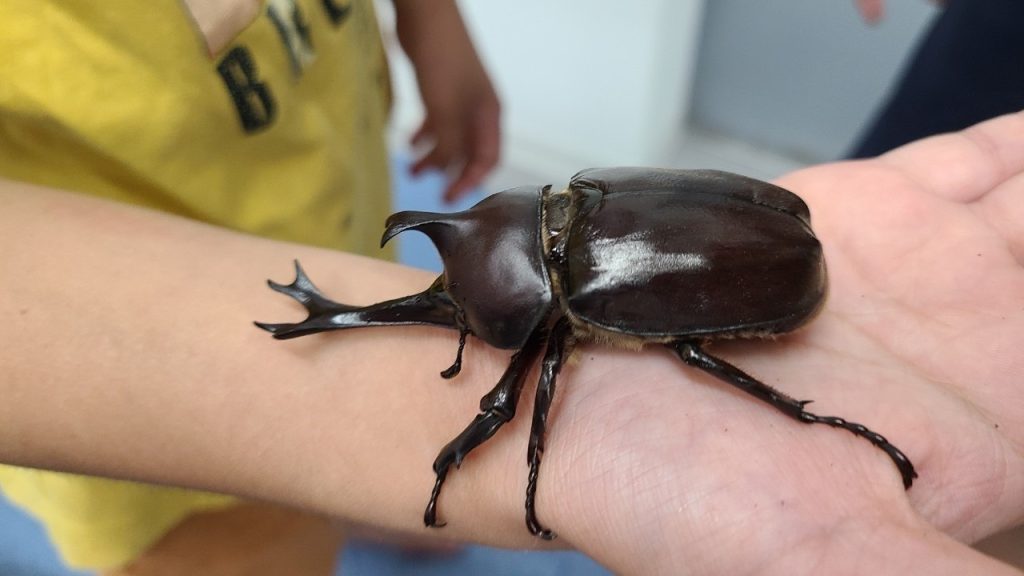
<point x="294" y="32"/>
<point x="252" y="98"/>
<point x="337" y="11"/>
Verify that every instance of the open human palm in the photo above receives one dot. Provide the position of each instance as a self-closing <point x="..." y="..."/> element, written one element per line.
<point x="664" y="469"/>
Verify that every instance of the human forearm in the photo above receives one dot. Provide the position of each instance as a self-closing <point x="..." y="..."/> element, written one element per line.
<point x="427" y="29"/>
<point x="460" y="133"/>
<point x="128" y="351"/>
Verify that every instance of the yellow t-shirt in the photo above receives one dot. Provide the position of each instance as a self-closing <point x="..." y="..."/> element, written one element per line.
<point x="265" y="116"/>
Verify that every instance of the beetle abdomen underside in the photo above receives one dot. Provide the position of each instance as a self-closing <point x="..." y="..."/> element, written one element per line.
<point x="684" y="263"/>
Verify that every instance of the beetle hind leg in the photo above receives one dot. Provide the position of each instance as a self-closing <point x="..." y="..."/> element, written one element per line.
<point x="559" y="349"/>
<point x="692" y="354"/>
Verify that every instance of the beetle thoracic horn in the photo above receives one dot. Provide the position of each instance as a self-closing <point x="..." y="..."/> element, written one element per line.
<point x="430" y="223"/>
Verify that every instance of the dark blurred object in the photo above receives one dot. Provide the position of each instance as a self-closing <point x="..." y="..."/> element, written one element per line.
<point x="969" y="67"/>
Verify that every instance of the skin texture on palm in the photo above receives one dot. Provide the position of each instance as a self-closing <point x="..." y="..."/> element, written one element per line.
<point x="920" y="339"/>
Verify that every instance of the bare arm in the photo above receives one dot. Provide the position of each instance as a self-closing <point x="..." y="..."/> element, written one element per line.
<point x="128" y="350"/>
<point x="462" y="123"/>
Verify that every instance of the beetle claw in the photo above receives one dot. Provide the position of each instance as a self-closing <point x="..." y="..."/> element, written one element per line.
<point x="539" y="531"/>
<point x="456" y="367"/>
<point x="903" y="464"/>
<point x="430" y="514"/>
<point x="532" y="524"/>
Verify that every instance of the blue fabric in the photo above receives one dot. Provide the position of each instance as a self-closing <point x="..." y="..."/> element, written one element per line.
<point x="24" y="548"/>
<point x="364" y="559"/>
<point x="969" y="67"/>
<point x="25" y="551"/>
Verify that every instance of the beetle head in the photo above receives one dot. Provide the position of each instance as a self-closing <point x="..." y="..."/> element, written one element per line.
<point x="494" y="266"/>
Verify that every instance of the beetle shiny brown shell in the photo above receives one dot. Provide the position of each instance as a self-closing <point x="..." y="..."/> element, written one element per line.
<point x="629" y="256"/>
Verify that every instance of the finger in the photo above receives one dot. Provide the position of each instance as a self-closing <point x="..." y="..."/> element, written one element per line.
<point x="483" y="156"/>
<point x="432" y="159"/>
<point x="439" y="157"/>
<point x="1003" y="210"/>
<point x="422" y="134"/>
<point x="964" y="166"/>
<point x="871" y="10"/>
<point x="447" y="148"/>
<point x="471" y="177"/>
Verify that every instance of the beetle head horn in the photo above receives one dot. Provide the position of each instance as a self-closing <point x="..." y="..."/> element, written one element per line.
<point x="436" y="226"/>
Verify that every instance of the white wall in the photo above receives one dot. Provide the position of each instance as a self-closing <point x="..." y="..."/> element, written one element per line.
<point x="802" y="76"/>
<point x="663" y="82"/>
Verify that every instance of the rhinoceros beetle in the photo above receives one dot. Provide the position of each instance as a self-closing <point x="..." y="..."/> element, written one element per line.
<point x="626" y="256"/>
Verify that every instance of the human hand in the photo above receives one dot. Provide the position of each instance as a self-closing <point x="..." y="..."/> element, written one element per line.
<point x="653" y="467"/>
<point x="874" y="10"/>
<point x="460" y="130"/>
<point x="650" y="467"/>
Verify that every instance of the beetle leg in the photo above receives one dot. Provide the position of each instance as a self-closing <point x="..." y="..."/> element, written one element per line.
<point x="496" y="408"/>
<point x="694" y="355"/>
<point x="432" y="306"/>
<point x="559" y="348"/>
<point x="456" y="367"/>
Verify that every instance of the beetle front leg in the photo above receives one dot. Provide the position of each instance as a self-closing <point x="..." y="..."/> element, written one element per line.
<point x="694" y="355"/>
<point x="496" y="408"/>
<point x="432" y="306"/>
<point x="456" y="367"/>
<point x="559" y="348"/>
